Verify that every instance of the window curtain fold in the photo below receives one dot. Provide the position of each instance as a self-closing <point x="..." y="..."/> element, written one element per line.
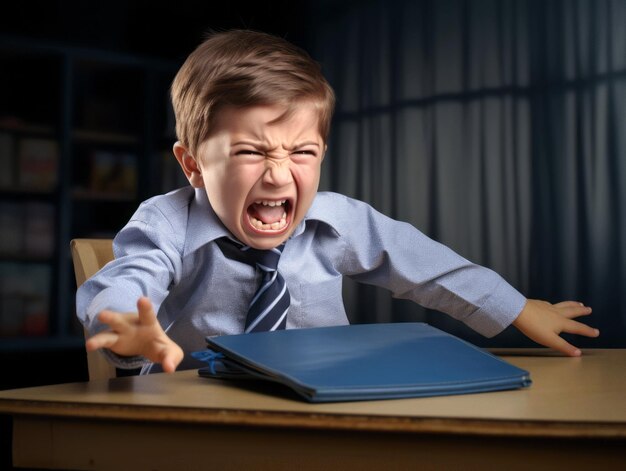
<point x="495" y="127"/>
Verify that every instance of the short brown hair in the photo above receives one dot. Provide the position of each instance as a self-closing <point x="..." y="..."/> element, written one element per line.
<point x="245" y="68"/>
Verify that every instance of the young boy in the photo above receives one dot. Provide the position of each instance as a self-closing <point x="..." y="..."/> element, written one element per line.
<point x="253" y="115"/>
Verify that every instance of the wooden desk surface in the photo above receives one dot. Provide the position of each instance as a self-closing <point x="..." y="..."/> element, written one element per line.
<point x="568" y="397"/>
<point x="572" y="403"/>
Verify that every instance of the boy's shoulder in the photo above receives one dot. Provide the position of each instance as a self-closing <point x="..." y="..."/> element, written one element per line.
<point x="325" y="199"/>
<point x="175" y="218"/>
<point x="167" y="212"/>
<point x="185" y="214"/>
<point x="173" y="201"/>
<point x="339" y="211"/>
<point x="169" y="205"/>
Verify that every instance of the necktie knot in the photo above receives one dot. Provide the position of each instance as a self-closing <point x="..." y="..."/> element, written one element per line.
<point x="266" y="260"/>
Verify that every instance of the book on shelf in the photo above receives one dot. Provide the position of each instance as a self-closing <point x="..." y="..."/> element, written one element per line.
<point x="24" y="299"/>
<point x="39" y="230"/>
<point x="27" y="230"/>
<point x="11" y="228"/>
<point x="113" y="172"/>
<point x="38" y="163"/>
<point x="11" y="305"/>
<point x="7" y="160"/>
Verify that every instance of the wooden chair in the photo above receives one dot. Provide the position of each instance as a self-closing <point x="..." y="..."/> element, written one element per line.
<point x="89" y="255"/>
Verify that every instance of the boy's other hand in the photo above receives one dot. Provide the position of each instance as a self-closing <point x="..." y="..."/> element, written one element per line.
<point x="544" y="322"/>
<point x="137" y="334"/>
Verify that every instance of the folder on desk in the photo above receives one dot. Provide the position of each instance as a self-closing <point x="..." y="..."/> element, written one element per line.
<point x="361" y="362"/>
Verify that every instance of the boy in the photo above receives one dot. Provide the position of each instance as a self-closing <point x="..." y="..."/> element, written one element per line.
<point x="253" y="115"/>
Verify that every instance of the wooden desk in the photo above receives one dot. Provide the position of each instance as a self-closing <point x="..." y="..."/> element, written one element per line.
<point x="573" y="416"/>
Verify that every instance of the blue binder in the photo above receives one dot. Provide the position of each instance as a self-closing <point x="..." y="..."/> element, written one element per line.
<point x="361" y="362"/>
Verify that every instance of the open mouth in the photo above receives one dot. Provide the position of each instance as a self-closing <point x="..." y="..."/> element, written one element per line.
<point x="270" y="215"/>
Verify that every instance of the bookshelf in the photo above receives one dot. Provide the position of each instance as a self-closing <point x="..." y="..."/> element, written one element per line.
<point x="83" y="135"/>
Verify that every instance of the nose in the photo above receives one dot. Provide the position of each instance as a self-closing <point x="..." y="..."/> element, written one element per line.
<point x="278" y="173"/>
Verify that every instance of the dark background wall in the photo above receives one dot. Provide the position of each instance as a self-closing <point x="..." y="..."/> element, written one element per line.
<point x="159" y="35"/>
<point x="389" y="62"/>
<point x="558" y="242"/>
<point x="497" y="128"/>
<point x="65" y="62"/>
<point x="159" y="29"/>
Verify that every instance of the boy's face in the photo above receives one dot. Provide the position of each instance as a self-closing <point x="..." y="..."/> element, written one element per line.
<point x="261" y="176"/>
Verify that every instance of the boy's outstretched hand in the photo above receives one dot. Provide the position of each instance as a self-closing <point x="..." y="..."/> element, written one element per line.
<point x="543" y="322"/>
<point x="137" y="334"/>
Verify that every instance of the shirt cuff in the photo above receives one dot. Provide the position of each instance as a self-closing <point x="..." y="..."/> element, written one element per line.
<point x="499" y="311"/>
<point x="108" y="299"/>
<point x="125" y="363"/>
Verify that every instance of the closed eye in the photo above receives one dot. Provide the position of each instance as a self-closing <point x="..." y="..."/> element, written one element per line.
<point x="305" y="152"/>
<point x="248" y="152"/>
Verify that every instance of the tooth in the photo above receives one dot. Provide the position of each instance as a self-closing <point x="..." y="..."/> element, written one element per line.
<point x="257" y="202"/>
<point x="284" y="216"/>
<point x="282" y="223"/>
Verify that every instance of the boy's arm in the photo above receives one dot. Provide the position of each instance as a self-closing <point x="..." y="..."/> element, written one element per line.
<point x="147" y="262"/>
<point x="398" y="257"/>
<point x="140" y="333"/>
<point x="543" y="322"/>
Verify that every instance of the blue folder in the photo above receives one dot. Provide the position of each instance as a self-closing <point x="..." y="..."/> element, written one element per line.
<point x="361" y="362"/>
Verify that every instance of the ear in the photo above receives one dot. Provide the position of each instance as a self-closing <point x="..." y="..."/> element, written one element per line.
<point x="189" y="165"/>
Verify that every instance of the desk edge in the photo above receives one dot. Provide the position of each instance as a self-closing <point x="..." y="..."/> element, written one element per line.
<point x="328" y="421"/>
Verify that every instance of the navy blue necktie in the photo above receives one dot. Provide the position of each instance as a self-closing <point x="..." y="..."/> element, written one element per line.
<point x="269" y="306"/>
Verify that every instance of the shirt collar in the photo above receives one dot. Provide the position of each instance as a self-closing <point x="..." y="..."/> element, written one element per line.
<point x="203" y="225"/>
<point x="322" y="210"/>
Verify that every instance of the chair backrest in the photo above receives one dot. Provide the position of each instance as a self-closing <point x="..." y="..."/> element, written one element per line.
<point x="89" y="255"/>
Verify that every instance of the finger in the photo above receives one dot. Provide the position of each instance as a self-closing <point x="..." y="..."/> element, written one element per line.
<point x="171" y="358"/>
<point x="563" y="346"/>
<point x="573" y="312"/>
<point x="147" y="315"/>
<point x="169" y="365"/>
<point x="102" y="340"/>
<point x="115" y="320"/>
<point x="579" y="328"/>
<point x="568" y="304"/>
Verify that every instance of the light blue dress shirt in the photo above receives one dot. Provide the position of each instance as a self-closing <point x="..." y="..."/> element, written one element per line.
<point x="167" y="252"/>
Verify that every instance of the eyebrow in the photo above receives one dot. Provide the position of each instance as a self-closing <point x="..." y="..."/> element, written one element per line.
<point x="306" y="143"/>
<point x="245" y="142"/>
<point x="261" y="144"/>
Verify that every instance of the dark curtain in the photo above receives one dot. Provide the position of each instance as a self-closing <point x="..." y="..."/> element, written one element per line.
<point x="496" y="127"/>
